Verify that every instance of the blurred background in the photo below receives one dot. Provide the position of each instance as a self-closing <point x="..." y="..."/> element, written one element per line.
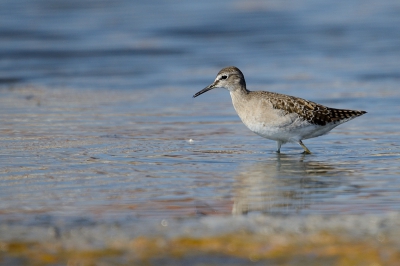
<point x="152" y="44"/>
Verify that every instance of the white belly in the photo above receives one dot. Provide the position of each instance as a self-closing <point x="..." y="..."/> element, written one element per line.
<point x="289" y="132"/>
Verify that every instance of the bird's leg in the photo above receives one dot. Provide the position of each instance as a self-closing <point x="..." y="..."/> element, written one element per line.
<point x="306" y="150"/>
<point x="278" y="146"/>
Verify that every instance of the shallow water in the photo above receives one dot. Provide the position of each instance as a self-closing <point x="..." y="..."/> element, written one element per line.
<point x="98" y="120"/>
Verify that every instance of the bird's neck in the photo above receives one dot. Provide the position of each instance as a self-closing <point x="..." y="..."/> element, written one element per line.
<point x="239" y="99"/>
<point x="240" y="92"/>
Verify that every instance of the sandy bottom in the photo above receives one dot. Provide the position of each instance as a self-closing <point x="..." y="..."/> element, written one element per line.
<point x="258" y="239"/>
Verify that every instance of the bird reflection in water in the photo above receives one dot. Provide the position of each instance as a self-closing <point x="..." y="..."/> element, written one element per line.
<point x="283" y="185"/>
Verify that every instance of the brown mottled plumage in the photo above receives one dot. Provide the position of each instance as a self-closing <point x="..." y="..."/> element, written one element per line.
<point x="312" y="112"/>
<point x="276" y="116"/>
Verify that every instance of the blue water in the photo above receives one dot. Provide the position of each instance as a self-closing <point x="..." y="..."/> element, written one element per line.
<point x="138" y="44"/>
<point x="97" y="114"/>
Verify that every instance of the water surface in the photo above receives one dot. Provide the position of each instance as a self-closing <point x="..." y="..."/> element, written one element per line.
<point x="98" y="123"/>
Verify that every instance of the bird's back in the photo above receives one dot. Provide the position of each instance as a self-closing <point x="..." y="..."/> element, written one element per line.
<point x="312" y="112"/>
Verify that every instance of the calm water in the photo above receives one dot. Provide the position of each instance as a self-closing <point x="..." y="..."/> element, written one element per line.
<point x="98" y="120"/>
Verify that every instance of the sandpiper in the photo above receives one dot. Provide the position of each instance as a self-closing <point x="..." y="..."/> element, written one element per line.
<point x="276" y="116"/>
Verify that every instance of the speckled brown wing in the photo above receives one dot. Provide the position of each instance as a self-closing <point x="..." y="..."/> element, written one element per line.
<point x="312" y="112"/>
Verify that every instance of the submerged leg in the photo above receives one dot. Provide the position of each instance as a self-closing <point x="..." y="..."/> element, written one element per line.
<point x="306" y="150"/>
<point x="278" y="146"/>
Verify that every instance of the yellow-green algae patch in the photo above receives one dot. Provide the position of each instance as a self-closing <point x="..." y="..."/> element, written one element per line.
<point x="35" y="253"/>
<point x="289" y="249"/>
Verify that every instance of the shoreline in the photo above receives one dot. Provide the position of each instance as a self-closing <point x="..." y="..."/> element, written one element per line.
<point x="268" y="238"/>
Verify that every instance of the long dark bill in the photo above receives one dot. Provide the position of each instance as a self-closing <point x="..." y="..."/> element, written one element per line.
<point x="212" y="86"/>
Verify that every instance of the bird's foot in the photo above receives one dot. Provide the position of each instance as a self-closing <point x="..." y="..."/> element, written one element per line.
<point x="306" y="150"/>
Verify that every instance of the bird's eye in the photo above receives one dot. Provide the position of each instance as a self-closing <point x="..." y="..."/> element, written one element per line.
<point x="224" y="77"/>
